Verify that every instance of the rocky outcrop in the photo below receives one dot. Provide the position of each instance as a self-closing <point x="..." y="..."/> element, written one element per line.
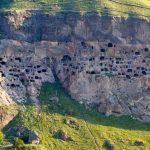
<point x="102" y="61"/>
<point x="114" y="79"/>
<point x="28" y="136"/>
<point x="22" y="72"/>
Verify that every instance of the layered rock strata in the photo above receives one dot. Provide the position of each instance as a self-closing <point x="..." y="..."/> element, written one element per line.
<point x="103" y="62"/>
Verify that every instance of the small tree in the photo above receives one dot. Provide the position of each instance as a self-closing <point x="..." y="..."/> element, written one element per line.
<point x="18" y="143"/>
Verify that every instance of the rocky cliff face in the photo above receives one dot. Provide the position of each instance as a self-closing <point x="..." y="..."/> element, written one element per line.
<point x="34" y="26"/>
<point x="102" y="61"/>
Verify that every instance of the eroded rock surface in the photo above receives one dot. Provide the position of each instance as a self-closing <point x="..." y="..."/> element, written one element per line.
<point x="6" y="115"/>
<point x="102" y="61"/>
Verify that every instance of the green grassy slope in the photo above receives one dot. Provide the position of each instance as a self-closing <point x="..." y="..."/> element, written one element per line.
<point x="140" y="8"/>
<point x="95" y="129"/>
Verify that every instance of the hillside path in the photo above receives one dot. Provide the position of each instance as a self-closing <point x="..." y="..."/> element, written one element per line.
<point x="95" y="142"/>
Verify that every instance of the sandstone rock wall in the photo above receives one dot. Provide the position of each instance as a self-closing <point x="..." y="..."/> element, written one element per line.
<point x="103" y="62"/>
<point x="36" y="26"/>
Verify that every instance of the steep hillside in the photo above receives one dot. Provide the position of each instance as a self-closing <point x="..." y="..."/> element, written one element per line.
<point x="137" y="8"/>
<point x="86" y="129"/>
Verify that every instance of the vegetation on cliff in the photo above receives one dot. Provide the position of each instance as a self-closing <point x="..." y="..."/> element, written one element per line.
<point x="62" y="124"/>
<point x="137" y="8"/>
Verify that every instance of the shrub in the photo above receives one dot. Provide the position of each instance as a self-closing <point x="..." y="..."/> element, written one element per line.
<point x="1" y="136"/>
<point x="18" y="143"/>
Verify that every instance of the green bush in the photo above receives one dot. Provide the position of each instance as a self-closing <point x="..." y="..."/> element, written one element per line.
<point x="18" y="143"/>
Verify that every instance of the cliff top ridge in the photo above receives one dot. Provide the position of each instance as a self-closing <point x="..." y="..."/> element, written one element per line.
<point x="124" y="8"/>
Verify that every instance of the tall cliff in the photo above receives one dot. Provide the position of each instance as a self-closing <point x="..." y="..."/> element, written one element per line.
<point x="103" y="61"/>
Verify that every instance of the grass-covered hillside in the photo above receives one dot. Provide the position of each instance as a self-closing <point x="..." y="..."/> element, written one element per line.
<point x="86" y="129"/>
<point x="140" y="8"/>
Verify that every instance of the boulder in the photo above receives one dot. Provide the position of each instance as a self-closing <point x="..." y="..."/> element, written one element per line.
<point x="33" y="138"/>
<point x="138" y="143"/>
<point x="108" y="145"/>
<point x="63" y="136"/>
